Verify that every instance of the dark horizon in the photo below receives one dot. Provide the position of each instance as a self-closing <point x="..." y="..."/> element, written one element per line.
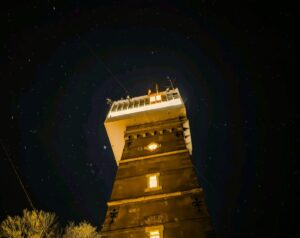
<point x="233" y="64"/>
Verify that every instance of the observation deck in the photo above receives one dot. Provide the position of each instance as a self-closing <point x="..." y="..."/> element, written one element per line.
<point x="149" y="108"/>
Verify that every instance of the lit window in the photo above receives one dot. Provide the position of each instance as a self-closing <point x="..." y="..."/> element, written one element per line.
<point x="152" y="182"/>
<point x="152" y="146"/>
<point x="152" y="99"/>
<point x="155" y="231"/>
<point x="158" y="98"/>
<point x="154" y="234"/>
<point x="155" y="98"/>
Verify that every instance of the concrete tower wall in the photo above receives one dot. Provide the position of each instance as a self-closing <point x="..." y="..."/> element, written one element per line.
<point x="176" y="206"/>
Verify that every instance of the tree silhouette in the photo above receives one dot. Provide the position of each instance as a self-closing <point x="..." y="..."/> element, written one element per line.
<point x="33" y="224"/>
<point x="82" y="230"/>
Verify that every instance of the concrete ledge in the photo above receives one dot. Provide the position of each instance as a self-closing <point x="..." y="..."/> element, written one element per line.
<point x="153" y="197"/>
<point x="153" y="156"/>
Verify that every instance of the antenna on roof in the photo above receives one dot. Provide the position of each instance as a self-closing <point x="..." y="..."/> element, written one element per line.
<point x="171" y="83"/>
<point x="156" y="85"/>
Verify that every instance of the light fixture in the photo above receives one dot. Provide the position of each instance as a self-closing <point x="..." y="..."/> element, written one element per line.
<point x="152" y="146"/>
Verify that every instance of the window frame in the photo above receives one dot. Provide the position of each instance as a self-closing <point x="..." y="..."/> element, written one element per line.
<point x="149" y="188"/>
<point x="159" y="228"/>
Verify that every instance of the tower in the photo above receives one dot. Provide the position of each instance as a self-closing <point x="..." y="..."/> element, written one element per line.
<point x="156" y="193"/>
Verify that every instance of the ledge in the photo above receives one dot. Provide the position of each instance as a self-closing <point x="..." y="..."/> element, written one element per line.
<point x="153" y="156"/>
<point x="153" y="197"/>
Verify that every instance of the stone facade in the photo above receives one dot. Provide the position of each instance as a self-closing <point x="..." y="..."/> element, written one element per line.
<point x="175" y="205"/>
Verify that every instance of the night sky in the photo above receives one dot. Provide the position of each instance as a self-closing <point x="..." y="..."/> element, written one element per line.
<point x="233" y="62"/>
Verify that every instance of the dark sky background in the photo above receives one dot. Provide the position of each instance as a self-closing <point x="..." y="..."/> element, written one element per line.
<point x="234" y="63"/>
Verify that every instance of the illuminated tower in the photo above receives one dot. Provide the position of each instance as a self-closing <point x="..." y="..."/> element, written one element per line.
<point x="156" y="193"/>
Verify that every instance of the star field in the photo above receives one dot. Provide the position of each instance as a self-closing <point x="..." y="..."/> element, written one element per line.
<point x="232" y="62"/>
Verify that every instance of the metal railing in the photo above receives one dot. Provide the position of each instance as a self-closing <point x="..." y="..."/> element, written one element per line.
<point x="141" y="101"/>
